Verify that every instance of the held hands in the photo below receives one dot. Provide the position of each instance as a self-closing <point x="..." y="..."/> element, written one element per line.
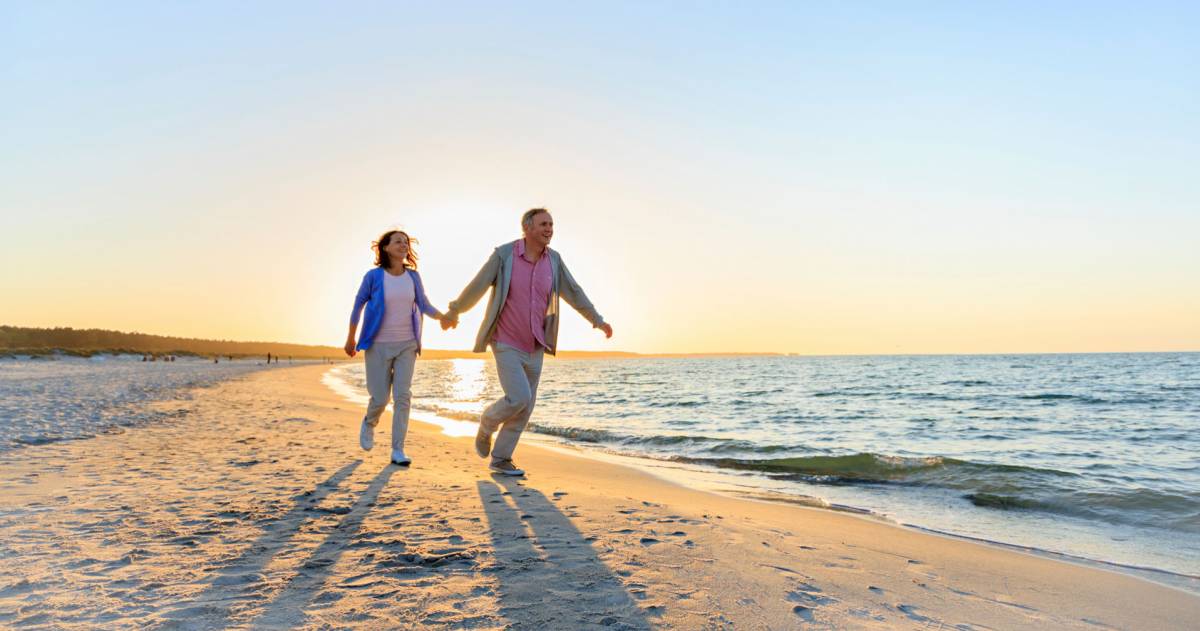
<point x="448" y="321"/>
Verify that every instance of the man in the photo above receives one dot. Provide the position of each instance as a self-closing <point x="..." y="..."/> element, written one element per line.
<point x="521" y="324"/>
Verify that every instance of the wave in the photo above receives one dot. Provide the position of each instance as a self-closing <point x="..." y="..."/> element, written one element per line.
<point x="581" y="434"/>
<point x="458" y="415"/>
<point x="848" y="393"/>
<point x="862" y="467"/>
<point x="1056" y="396"/>
<point x="1003" y="502"/>
<point x="657" y="442"/>
<point x="686" y="403"/>
<point x="985" y="485"/>
<point x="759" y="393"/>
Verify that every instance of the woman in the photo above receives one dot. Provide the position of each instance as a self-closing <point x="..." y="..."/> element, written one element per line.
<point x="391" y="335"/>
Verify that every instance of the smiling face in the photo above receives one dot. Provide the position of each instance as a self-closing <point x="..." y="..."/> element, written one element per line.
<point x="539" y="228"/>
<point x="394" y="251"/>
<point x="397" y="247"/>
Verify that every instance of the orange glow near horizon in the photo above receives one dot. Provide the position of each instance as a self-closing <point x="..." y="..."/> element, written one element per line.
<point x="838" y="196"/>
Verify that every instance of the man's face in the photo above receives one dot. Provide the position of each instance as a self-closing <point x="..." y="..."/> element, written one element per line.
<point x="542" y="229"/>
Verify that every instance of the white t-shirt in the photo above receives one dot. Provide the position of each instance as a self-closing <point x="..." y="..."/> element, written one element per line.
<point x="399" y="294"/>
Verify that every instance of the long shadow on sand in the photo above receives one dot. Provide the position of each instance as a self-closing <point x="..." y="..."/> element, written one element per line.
<point x="284" y="609"/>
<point x="228" y="590"/>
<point x="549" y="576"/>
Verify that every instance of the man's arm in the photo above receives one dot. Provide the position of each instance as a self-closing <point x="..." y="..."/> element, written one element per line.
<point x="476" y="288"/>
<point x="573" y="294"/>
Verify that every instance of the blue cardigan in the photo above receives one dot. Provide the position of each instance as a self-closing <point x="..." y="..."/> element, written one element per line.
<point x="370" y="293"/>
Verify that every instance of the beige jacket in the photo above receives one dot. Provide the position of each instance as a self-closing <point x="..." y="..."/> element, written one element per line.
<point x="497" y="272"/>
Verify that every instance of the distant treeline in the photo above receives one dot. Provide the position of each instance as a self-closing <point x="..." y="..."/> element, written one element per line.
<point x="16" y="340"/>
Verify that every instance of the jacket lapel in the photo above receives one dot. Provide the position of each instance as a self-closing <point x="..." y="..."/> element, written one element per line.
<point x="506" y="277"/>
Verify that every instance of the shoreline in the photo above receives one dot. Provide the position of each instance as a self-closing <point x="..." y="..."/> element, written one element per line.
<point x="737" y="484"/>
<point x="256" y="508"/>
<point x="1186" y="583"/>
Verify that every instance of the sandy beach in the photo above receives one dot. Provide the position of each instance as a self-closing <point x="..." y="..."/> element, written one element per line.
<point x="253" y="507"/>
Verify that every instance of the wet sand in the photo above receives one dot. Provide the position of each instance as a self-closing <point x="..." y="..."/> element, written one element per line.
<point x="254" y="508"/>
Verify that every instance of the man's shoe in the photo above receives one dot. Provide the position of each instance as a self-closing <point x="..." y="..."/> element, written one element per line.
<point x="399" y="458"/>
<point x="506" y="467"/>
<point x="483" y="442"/>
<point x="366" y="436"/>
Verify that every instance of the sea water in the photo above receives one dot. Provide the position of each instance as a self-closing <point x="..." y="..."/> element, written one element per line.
<point x="1095" y="456"/>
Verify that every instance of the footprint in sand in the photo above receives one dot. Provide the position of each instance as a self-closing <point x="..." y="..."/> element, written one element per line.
<point x="911" y="612"/>
<point x="809" y="595"/>
<point x="805" y="613"/>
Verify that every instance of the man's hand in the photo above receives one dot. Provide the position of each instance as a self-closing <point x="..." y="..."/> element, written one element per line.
<point x="607" y="328"/>
<point x="350" y="347"/>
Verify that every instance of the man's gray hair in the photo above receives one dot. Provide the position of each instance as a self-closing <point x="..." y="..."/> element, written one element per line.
<point x="527" y="218"/>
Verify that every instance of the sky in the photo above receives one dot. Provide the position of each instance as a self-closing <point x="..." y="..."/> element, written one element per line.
<point x="813" y="178"/>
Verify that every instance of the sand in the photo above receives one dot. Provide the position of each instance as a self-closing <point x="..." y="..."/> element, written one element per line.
<point x="254" y="508"/>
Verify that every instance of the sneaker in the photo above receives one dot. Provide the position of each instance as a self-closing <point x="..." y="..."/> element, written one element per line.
<point x="506" y="467"/>
<point x="483" y="442"/>
<point x="399" y="458"/>
<point x="366" y="436"/>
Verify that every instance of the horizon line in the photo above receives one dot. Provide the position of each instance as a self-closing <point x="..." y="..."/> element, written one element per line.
<point x="638" y="354"/>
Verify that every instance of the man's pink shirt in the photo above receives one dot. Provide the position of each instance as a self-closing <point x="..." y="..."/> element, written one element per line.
<point x="523" y="318"/>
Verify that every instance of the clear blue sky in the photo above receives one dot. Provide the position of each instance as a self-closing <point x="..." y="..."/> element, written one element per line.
<point x="838" y="177"/>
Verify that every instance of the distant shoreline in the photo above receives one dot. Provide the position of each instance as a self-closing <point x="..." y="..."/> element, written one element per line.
<point x="338" y="355"/>
<point x="43" y="342"/>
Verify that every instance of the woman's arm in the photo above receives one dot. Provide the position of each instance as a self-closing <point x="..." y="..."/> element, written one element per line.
<point x="349" y="348"/>
<point x="360" y="299"/>
<point x="423" y="303"/>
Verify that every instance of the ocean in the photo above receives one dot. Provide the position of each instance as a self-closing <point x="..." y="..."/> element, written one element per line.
<point x="1092" y="456"/>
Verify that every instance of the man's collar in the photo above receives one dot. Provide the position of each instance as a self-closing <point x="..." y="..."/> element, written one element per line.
<point x="519" y="249"/>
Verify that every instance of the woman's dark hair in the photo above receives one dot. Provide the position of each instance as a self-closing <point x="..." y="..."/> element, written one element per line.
<point x="381" y="256"/>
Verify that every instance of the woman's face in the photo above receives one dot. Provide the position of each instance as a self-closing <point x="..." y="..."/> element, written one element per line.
<point x="397" y="248"/>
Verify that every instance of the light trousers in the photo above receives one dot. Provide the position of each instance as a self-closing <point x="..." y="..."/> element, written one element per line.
<point x="519" y="374"/>
<point x="390" y="367"/>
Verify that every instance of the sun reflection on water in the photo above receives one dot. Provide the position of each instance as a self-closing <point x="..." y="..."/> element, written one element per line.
<point x="469" y="379"/>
